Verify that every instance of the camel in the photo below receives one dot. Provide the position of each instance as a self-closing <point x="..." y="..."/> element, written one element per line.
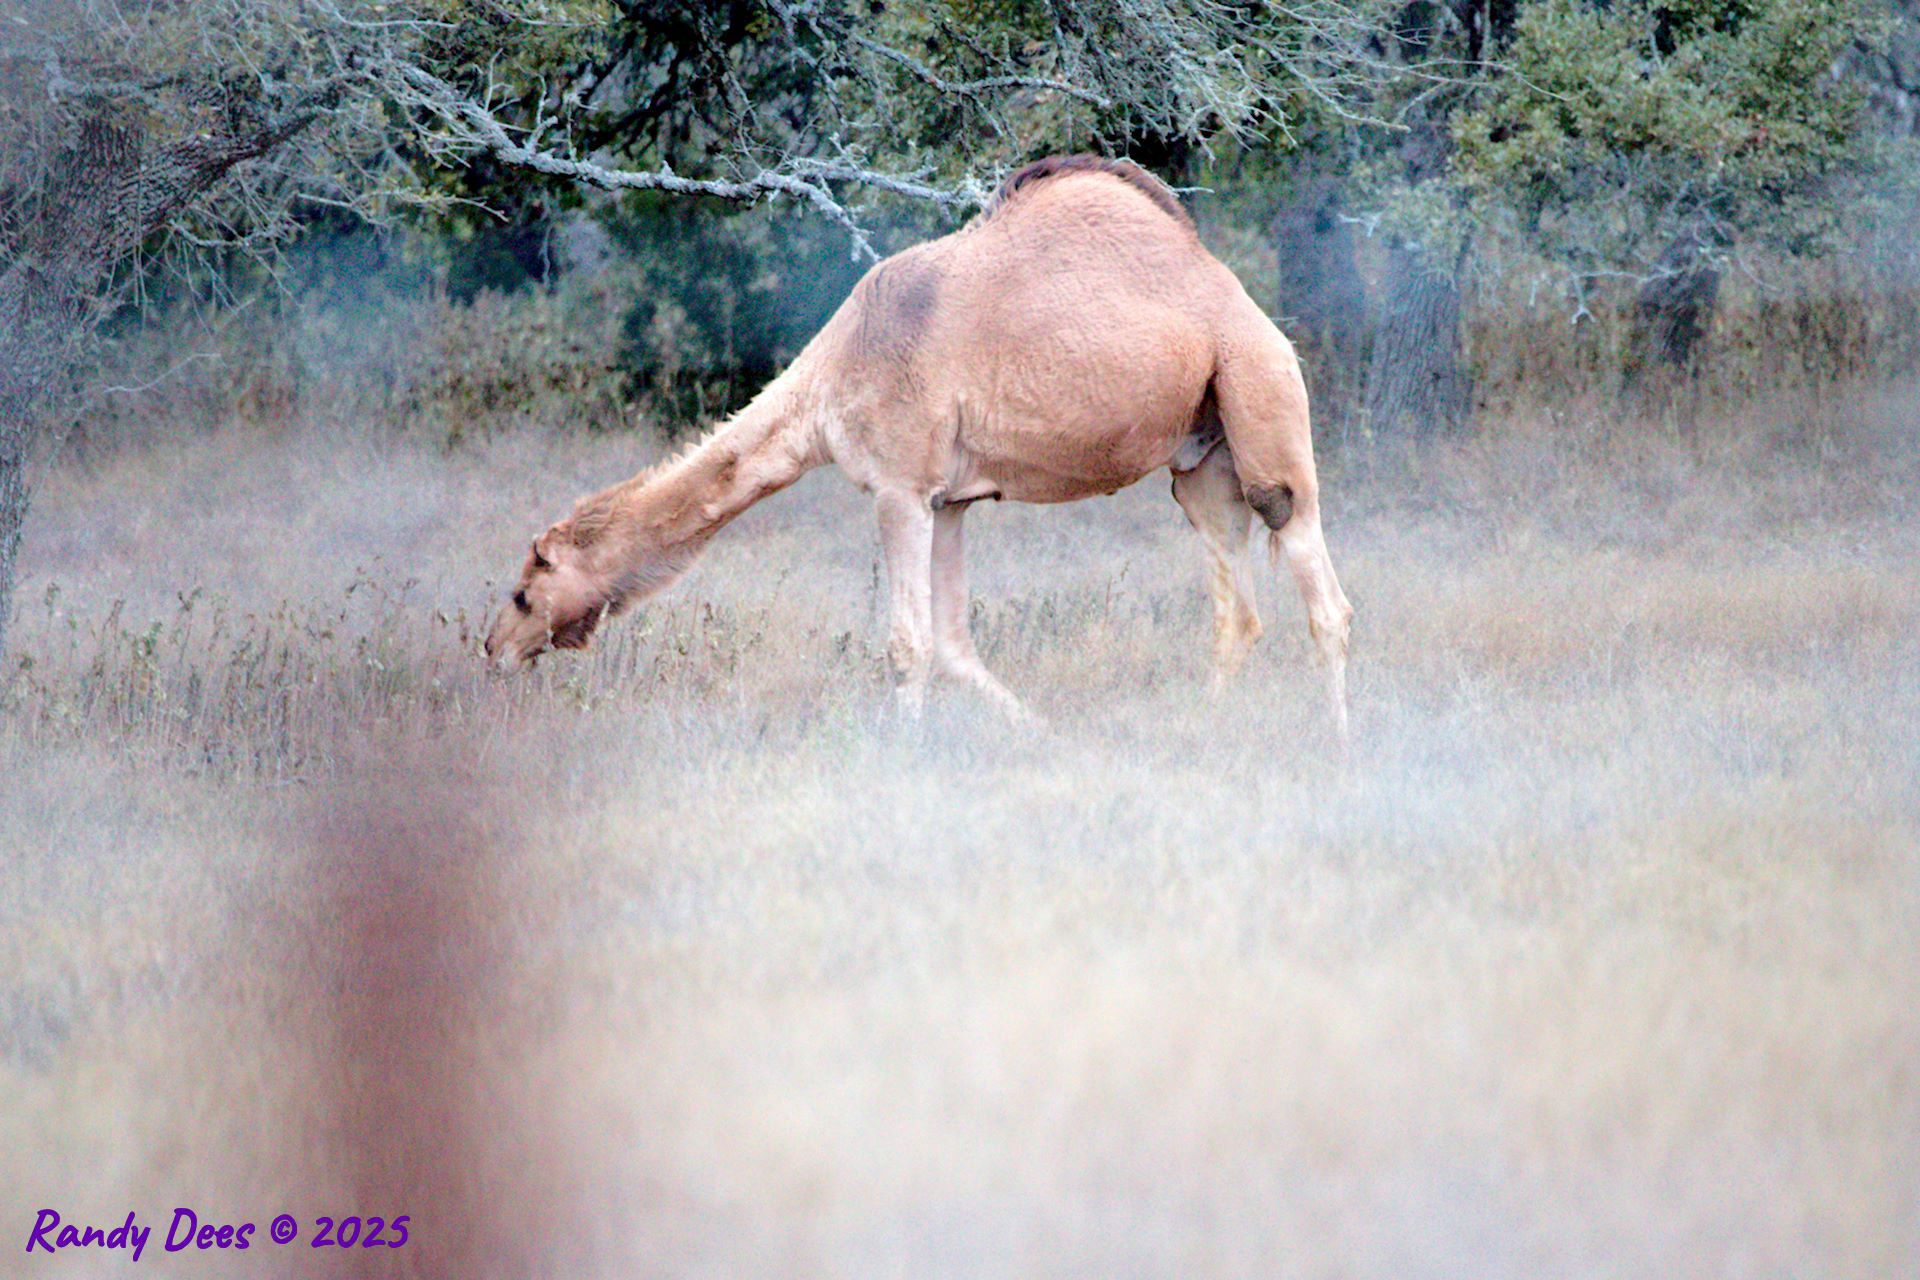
<point x="1072" y="338"/>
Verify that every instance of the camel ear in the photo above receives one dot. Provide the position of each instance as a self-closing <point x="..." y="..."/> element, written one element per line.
<point x="545" y="545"/>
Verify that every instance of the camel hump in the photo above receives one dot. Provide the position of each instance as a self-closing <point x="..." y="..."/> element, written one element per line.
<point x="1125" y="170"/>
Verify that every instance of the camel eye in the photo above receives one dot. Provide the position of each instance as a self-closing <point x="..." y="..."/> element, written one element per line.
<point x="520" y="602"/>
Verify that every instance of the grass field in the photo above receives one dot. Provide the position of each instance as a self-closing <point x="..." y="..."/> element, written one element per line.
<point x="682" y="959"/>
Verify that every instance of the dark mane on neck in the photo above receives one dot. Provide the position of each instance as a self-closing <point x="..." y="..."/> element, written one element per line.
<point x="1125" y="170"/>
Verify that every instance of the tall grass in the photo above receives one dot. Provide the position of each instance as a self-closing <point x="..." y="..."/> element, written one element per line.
<point x="684" y="958"/>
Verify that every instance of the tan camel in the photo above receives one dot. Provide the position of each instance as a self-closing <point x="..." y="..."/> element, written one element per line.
<point x="1071" y="339"/>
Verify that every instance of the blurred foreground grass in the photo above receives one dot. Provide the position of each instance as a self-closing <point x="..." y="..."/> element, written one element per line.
<point x="1603" y="958"/>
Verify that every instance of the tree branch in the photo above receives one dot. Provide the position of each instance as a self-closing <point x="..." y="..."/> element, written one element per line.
<point x="474" y="128"/>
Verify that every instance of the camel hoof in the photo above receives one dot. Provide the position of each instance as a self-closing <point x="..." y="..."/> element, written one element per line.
<point x="1020" y="716"/>
<point x="910" y="702"/>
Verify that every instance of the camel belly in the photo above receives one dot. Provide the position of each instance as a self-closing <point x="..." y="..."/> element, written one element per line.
<point x="1076" y="418"/>
<point x="1022" y="483"/>
<point x="1040" y="466"/>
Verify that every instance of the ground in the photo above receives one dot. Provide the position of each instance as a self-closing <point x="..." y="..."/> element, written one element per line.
<point x="1601" y="957"/>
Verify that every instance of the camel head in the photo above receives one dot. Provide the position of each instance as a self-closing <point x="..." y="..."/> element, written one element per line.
<point x="557" y="603"/>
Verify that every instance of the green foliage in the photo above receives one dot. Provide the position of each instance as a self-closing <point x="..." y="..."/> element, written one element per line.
<point x="717" y="305"/>
<point x="538" y="356"/>
<point x="1616" y="137"/>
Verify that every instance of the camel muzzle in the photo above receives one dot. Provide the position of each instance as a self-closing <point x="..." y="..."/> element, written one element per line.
<point x="503" y="656"/>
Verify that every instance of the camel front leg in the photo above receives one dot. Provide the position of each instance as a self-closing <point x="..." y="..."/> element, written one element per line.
<point x="906" y="539"/>
<point x="953" y="649"/>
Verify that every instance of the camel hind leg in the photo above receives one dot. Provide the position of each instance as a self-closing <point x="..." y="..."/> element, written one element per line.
<point x="1329" y="615"/>
<point x="1210" y="495"/>
<point x="1263" y="409"/>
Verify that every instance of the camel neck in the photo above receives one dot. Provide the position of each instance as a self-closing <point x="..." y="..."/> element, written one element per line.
<point x="648" y="528"/>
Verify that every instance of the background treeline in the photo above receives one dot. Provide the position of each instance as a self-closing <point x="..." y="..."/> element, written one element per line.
<point x="1632" y="207"/>
<point x="1452" y="207"/>
<point x="671" y="325"/>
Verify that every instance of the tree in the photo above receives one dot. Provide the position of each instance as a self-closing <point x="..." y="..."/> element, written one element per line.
<point x="1889" y="71"/>
<point x="1320" y="299"/>
<point x="1417" y="384"/>
<point x="1645" y="141"/>
<point x="110" y="133"/>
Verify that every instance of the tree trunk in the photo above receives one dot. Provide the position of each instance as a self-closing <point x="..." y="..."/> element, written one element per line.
<point x="39" y="315"/>
<point x="1322" y="299"/>
<point x="104" y="194"/>
<point x="1670" y="317"/>
<point x="14" y="497"/>
<point x="1415" y="385"/>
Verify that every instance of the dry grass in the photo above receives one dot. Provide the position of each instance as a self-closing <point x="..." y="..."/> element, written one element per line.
<point x="1603" y="959"/>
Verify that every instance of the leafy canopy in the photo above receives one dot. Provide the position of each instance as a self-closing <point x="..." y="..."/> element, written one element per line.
<point x="1639" y="134"/>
